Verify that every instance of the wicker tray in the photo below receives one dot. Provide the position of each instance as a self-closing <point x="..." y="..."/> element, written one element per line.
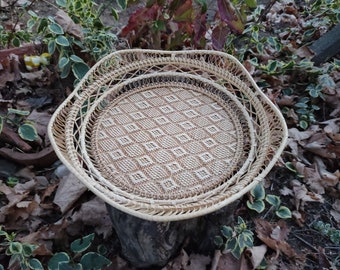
<point x="168" y="135"/>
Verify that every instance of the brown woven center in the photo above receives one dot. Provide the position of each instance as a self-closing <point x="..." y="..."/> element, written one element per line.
<point x="168" y="142"/>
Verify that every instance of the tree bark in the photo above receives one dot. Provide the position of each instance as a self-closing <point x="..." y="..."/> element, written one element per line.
<point x="326" y="46"/>
<point x="153" y="244"/>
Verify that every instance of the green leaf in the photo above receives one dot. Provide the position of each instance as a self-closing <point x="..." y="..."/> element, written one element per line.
<point x="284" y="212"/>
<point x="69" y="266"/>
<point x="273" y="200"/>
<point x="93" y="260"/>
<point x="290" y="166"/>
<point x="76" y="58"/>
<point x="62" y="41"/>
<point x="251" y="3"/>
<point x="57" y="258"/>
<point x="203" y="4"/>
<point x="51" y="46"/>
<point x="33" y="14"/>
<point x="114" y="14"/>
<point x="231" y="243"/>
<point x="30" y="23"/>
<point x="18" y="112"/>
<point x="16" y="42"/>
<point x="245" y="240"/>
<point x="227" y="231"/>
<point x="257" y="206"/>
<point x="272" y="66"/>
<point x="61" y="3"/>
<point x="28" y="132"/>
<point x="15" y="248"/>
<point x="303" y="124"/>
<point x="65" y="71"/>
<point x="56" y="29"/>
<point x="240" y="221"/>
<point x="218" y="241"/>
<point x="258" y="192"/>
<point x="237" y="251"/>
<point x="82" y="244"/>
<point x="63" y="61"/>
<point x="122" y="3"/>
<point x="12" y="181"/>
<point x="80" y="69"/>
<point x="28" y="249"/>
<point x="35" y="264"/>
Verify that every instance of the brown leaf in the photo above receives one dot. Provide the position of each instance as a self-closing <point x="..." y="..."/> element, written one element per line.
<point x="198" y="262"/>
<point x="119" y="264"/>
<point x="255" y="255"/>
<point x="225" y="261"/>
<point x="336" y="210"/>
<point x="69" y="191"/>
<point x="94" y="213"/>
<point x="328" y="178"/>
<point x="12" y="197"/>
<point x="40" y="120"/>
<point x="264" y="231"/>
<point x="302" y="195"/>
<point x="68" y="24"/>
<point x="180" y="262"/>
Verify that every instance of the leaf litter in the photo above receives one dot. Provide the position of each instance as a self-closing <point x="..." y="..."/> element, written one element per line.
<point x="50" y="210"/>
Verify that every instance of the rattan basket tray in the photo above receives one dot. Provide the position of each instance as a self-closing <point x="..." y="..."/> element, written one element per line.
<point x="168" y="136"/>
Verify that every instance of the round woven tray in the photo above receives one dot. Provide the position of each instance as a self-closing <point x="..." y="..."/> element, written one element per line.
<point x="168" y="135"/>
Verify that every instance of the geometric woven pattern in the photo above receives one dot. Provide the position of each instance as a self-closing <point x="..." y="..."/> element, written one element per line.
<point x="168" y="135"/>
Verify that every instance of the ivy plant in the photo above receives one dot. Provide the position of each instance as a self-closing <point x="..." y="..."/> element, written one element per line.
<point x="21" y="253"/>
<point x="235" y="240"/>
<point x="258" y="198"/>
<point x="88" y="261"/>
<point x="17" y="118"/>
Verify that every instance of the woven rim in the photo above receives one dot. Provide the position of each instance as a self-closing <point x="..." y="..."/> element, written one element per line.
<point x="76" y="128"/>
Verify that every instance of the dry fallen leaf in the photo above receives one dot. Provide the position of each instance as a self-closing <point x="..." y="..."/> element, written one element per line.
<point x="181" y="261"/>
<point x="198" y="262"/>
<point x="68" y="24"/>
<point x="336" y="211"/>
<point x="94" y="213"/>
<point x="68" y="192"/>
<point x="265" y="233"/>
<point x="302" y="195"/>
<point x="256" y="255"/>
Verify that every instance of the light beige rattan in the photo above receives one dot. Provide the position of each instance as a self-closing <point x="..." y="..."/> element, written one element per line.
<point x="168" y="136"/>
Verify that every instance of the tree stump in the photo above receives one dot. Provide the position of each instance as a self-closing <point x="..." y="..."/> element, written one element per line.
<point x="153" y="244"/>
<point x="327" y="46"/>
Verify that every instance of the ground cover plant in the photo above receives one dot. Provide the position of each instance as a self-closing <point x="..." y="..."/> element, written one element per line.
<point x="292" y="221"/>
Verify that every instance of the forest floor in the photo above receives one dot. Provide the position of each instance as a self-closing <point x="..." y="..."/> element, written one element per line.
<point x="44" y="204"/>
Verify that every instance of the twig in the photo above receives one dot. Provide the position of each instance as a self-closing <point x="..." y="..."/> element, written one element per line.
<point x="305" y="242"/>
<point x="216" y="259"/>
<point x="265" y="11"/>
